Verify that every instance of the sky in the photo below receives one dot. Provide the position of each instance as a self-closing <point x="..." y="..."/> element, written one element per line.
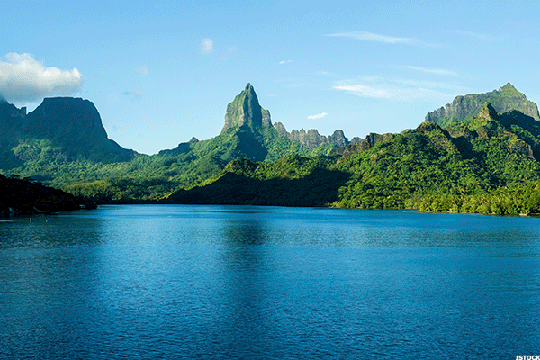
<point x="162" y="72"/>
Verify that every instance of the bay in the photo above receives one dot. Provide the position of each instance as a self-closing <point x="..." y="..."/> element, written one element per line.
<point x="180" y="281"/>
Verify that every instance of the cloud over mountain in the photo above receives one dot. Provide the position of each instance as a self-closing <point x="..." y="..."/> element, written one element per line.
<point x="24" y="79"/>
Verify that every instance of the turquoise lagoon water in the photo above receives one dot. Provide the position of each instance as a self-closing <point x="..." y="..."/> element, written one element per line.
<point x="221" y="282"/>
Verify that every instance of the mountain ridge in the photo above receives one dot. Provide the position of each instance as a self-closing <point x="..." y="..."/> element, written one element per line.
<point x="312" y="139"/>
<point x="480" y="165"/>
<point x="458" y="160"/>
<point x="41" y="154"/>
<point x="505" y="99"/>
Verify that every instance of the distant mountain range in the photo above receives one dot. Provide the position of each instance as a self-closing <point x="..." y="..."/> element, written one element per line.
<point x="487" y="164"/>
<point x="473" y="155"/>
<point x="63" y="143"/>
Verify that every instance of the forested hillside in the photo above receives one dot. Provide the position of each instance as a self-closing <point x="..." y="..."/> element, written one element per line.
<point x="21" y="196"/>
<point x="63" y="144"/>
<point x="487" y="164"/>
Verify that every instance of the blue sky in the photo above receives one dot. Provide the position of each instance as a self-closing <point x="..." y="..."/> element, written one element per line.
<point x="163" y="72"/>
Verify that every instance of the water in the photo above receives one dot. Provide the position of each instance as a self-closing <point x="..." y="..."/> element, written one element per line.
<point x="219" y="282"/>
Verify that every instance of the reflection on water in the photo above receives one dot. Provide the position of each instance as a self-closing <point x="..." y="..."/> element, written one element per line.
<point x="268" y="282"/>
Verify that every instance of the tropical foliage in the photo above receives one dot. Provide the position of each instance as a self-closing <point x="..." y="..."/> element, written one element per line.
<point x="485" y="165"/>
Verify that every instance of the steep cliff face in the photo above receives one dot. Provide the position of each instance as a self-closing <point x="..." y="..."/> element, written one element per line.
<point x="246" y="112"/>
<point x="59" y="129"/>
<point x="65" y="115"/>
<point x="312" y="139"/>
<point x="247" y="133"/>
<point x="464" y="107"/>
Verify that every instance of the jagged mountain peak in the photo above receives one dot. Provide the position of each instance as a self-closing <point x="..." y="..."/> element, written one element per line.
<point x="312" y="139"/>
<point x="246" y="112"/>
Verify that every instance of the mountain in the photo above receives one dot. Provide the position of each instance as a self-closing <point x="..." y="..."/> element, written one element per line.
<point x="60" y="129"/>
<point x="312" y="139"/>
<point x="487" y="164"/>
<point x="245" y="112"/>
<point x="247" y="133"/>
<point x="464" y="107"/>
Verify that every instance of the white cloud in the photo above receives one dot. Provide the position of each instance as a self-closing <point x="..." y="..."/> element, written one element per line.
<point x="24" y="79"/>
<point x="399" y="89"/>
<point x="435" y="71"/>
<point x="317" y="116"/>
<point x="143" y="70"/>
<point x="282" y="62"/>
<point x="451" y="86"/>
<point x="369" y="36"/>
<point x="207" y="46"/>
<point x="364" y="90"/>
<point x="324" y="73"/>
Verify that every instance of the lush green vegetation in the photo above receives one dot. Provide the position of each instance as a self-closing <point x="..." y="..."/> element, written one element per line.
<point x="150" y="178"/>
<point x="290" y="181"/>
<point x="483" y="165"/>
<point x="63" y="144"/>
<point x="486" y="164"/>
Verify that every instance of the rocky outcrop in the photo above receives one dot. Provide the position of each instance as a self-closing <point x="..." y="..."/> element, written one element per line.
<point x="487" y="112"/>
<point x="464" y="107"/>
<point x="358" y="145"/>
<point x="312" y="139"/>
<point x="246" y="112"/>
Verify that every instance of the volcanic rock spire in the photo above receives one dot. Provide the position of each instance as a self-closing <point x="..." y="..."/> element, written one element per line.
<point x="245" y="112"/>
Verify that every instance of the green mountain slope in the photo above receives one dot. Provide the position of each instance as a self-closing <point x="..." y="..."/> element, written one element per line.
<point x="53" y="149"/>
<point x="290" y="181"/>
<point x="474" y="166"/>
<point x="481" y="164"/>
